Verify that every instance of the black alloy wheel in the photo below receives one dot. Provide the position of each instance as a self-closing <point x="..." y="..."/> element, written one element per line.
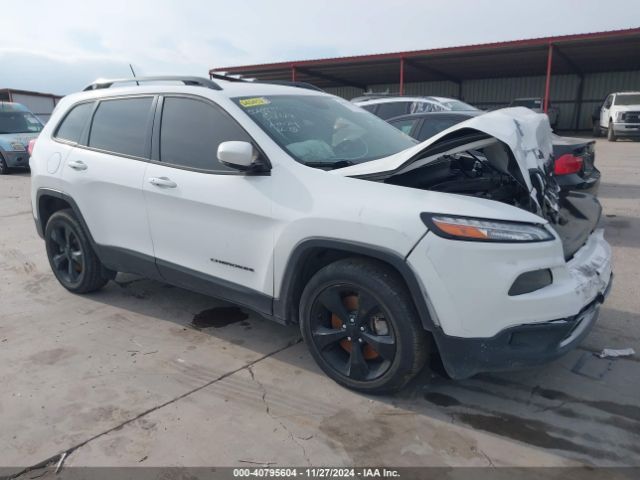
<point x="71" y="256"/>
<point x="67" y="256"/>
<point x="350" y="328"/>
<point x="360" y="325"/>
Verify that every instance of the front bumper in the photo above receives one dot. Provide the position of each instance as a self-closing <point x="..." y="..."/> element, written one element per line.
<point x="16" y="159"/>
<point x="479" y="327"/>
<point x="517" y="347"/>
<point x="626" y="129"/>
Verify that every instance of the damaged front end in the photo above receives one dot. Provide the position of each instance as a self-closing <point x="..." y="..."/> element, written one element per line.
<point x="505" y="156"/>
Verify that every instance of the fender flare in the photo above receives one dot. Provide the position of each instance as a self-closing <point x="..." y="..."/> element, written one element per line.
<point x="295" y="264"/>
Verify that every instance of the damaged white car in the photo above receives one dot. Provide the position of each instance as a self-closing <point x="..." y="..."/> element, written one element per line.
<point x="310" y="210"/>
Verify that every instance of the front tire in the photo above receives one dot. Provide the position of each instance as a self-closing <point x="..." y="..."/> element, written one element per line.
<point x="610" y="134"/>
<point x="360" y="324"/>
<point x="72" y="259"/>
<point x="4" y="170"/>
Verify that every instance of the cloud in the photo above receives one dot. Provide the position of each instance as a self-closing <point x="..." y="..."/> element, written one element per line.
<point x="69" y="43"/>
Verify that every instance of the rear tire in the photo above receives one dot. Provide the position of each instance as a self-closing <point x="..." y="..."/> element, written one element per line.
<point x="4" y="170"/>
<point x="72" y="259"/>
<point x="361" y="327"/>
<point x="610" y="134"/>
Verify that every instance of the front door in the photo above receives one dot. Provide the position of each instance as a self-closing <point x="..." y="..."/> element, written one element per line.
<point x="604" y="112"/>
<point x="211" y="225"/>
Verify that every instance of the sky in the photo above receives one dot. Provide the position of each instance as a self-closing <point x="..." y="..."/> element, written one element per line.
<point x="60" y="46"/>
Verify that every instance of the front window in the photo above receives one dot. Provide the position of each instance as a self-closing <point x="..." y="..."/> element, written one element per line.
<point x="324" y="132"/>
<point x="628" y="99"/>
<point x="457" y="106"/>
<point x="19" y="122"/>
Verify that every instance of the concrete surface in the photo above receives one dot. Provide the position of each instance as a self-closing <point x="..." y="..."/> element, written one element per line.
<point x="120" y="377"/>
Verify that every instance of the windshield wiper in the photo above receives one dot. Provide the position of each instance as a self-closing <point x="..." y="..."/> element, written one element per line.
<point x="330" y="165"/>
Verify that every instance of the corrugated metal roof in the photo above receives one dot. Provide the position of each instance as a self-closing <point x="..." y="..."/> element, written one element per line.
<point x="580" y="53"/>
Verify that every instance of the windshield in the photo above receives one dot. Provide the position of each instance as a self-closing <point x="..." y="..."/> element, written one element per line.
<point x="324" y="131"/>
<point x="19" y="122"/>
<point x="628" y="99"/>
<point x="457" y="105"/>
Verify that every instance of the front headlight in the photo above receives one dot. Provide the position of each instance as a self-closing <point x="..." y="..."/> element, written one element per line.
<point x="18" y="147"/>
<point x="481" y="230"/>
<point x="620" y="116"/>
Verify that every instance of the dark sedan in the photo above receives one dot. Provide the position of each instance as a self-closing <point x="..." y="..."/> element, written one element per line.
<point x="574" y="157"/>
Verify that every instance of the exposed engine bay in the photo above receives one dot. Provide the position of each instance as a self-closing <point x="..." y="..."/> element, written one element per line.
<point x="505" y="156"/>
<point x="489" y="171"/>
<point x="467" y="173"/>
<point x="475" y="164"/>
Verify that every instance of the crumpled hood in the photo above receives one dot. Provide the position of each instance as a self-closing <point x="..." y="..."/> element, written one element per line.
<point x="527" y="133"/>
<point x="6" y="139"/>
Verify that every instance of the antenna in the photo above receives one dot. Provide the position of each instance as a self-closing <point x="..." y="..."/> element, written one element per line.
<point x="134" y="74"/>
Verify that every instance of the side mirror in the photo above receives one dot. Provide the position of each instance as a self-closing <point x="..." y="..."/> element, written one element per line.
<point x="238" y="155"/>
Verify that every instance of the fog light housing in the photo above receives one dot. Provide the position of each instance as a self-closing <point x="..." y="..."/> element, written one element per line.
<point x="531" y="281"/>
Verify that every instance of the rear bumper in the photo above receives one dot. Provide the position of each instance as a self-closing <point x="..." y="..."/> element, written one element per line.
<point x="576" y="182"/>
<point x="16" y="159"/>
<point x="517" y="347"/>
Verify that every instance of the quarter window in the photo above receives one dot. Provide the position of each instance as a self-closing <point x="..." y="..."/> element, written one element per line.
<point x="121" y="126"/>
<point x="74" y="123"/>
<point x="191" y="131"/>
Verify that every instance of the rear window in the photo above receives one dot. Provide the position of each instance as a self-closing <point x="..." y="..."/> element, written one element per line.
<point x="392" y="109"/>
<point x="120" y="126"/>
<point x="74" y="123"/>
<point x="435" y="125"/>
<point x="405" y="126"/>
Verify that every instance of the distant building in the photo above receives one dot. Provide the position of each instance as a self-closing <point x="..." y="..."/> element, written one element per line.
<point x="41" y="104"/>
<point x="573" y="73"/>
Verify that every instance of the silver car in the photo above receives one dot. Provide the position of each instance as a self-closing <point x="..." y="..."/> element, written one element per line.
<point x="18" y="126"/>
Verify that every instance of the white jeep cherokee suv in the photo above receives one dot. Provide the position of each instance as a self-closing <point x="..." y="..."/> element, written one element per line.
<point x="307" y="209"/>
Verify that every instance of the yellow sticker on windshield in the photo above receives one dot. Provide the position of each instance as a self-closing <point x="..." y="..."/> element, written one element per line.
<point x="254" y="102"/>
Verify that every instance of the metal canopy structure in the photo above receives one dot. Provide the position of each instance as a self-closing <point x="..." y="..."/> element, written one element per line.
<point x="580" y="54"/>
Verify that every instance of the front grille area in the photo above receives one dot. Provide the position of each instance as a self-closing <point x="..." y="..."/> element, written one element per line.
<point x="631" y="117"/>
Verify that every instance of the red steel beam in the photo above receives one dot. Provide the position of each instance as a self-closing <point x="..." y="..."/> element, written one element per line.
<point x="547" y="83"/>
<point x="401" y="76"/>
<point x="293" y="73"/>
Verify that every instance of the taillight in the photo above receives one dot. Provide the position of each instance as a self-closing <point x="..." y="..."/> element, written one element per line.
<point x="32" y="143"/>
<point x="567" y="163"/>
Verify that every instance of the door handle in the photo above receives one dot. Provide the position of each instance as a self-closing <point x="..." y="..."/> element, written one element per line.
<point x="162" y="182"/>
<point x="77" y="165"/>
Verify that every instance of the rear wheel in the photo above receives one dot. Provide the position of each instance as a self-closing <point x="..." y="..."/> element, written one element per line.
<point x="610" y="134"/>
<point x="72" y="259"/>
<point x="3" y="166"/>
<point x="361" y="327"/>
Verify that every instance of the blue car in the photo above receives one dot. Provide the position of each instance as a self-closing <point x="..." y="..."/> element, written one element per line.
<point x="18" y="126"/>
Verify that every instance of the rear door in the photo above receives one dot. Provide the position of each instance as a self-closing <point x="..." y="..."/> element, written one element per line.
<point x="211" y="225"/>
<point x="104" y="172"/>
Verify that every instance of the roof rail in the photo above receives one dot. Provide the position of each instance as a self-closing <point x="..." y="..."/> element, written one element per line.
<point x="191" y="81"/>
<point x="230" y="78"/>
<point x="286" y="83"/>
